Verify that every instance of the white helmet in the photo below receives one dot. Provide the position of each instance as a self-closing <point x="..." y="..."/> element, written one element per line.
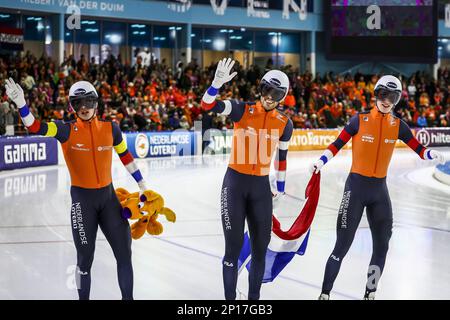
<point x="390" y="87"/>
<point x="276" y="84"/>
<point x="83" y="93"/>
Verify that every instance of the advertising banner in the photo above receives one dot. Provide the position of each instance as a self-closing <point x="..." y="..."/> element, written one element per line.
<point x="11" y="39"/>
<point x="24" y="152"/>
<point x="433" y="137"/>
<point x="320" y="139"/>
<point x="220" y="142"/>
<point x="161" y="144"/>
<point x="313" y="139"/>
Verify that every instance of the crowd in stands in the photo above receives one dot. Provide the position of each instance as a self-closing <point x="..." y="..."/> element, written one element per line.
<point x="160" y="98"/>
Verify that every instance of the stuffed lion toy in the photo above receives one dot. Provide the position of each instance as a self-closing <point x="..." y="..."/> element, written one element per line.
<point x="146" y="210"/>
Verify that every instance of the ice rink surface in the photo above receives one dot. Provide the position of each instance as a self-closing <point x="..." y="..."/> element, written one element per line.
<point x="37" y="253"/>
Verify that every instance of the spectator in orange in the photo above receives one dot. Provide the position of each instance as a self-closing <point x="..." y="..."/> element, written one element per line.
<point x="298" y="120"/>
<point x="290" y="102"/>
<point x="361" y="83"/>
<point x="424" y="100"/>
<point x="131" y="90"/>
<point x="191" y="95"/>
<point x="115" y="87"/>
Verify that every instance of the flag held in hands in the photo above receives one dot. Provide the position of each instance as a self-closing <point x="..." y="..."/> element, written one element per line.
<point x="284" y="245"/>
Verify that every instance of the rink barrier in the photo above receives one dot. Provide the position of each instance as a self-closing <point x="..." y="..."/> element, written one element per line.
<point x="320" y="139"/>
<point x="182" y="143"/>
<point x="25" y="152"/>
<point x="302" y="140"/>
<point x="436" y="137"/>
<point x="156" y="144"/>
<point x="442" y="173"/>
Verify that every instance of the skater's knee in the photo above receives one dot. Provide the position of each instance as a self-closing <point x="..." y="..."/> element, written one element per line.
<point x="340" y="251"/>
<point x="259" y="247"/>
<point x="233" y="250"/>
<point x="259" y="255"/>
<point x="336" y="257"/>
<point x="389" y="234"/>
<point x="124" y="262"/>
<point x="122" y="255"/>
<point x="228" y="262"/>
<point x="381" y="248"/>
<point x="381" y="244"/>
<point x="231" y="254"/>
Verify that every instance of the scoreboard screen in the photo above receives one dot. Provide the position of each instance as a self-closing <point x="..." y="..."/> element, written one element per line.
<point x="381" y="30"/>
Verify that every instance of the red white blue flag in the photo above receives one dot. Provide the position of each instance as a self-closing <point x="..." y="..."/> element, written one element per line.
<point x="284" y="245"/>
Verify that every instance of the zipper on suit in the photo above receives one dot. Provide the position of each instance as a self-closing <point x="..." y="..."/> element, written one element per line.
<point x="93" y="154"/>
<point x="379" y="144"/>
<point x="257" y="141"/>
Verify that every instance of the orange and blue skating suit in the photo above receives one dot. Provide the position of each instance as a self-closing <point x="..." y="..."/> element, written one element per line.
<point x="246" y="192"/>
<point x="373" y="135"/>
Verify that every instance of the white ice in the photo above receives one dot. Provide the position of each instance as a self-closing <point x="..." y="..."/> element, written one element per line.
<point x="37" y="255"/>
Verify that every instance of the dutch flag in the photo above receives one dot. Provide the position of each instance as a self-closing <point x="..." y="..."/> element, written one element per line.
<point x="284" y="245"/>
